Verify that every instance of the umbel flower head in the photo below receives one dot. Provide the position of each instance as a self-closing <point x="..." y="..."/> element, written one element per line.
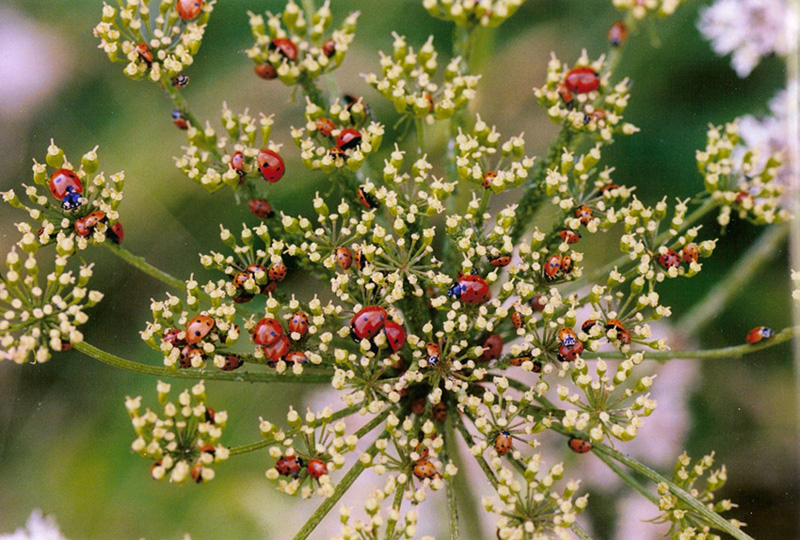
<point x="295" y="46"/>
<point x="157" y="42"/>
<point x="642" y="8"/>
<point x="79" y="205"/>
<point x="471" y="13"/>
<point x="378" y="524"/>
<point x="184" y="442"/>
<point x="40" y="317"/>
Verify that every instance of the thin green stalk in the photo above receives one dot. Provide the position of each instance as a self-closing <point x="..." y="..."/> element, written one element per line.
<point x="626" y="477"/>
<point x="467" y="436"/>
<point x="344" y="484"/>
<point x="718" y="521"/>
<point x="140" y="264"/>
<point x="451" y="452"/>
<point x="235" y="376"/>
<point x="579" y="532"/>
<point x="754" y="259"/>
<point x="397" y="502"/>
<point x="182" y="105"/>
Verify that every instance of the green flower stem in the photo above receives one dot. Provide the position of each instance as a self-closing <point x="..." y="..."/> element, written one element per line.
<point x="579" y="532"/>
<point x="397" y="502"/>
<point x="708" y="354"/>
<point x="754" y="259"/>
<point x="467" y="436"/>
<point x="718" y="521"/>
<point x="245" y="448"/>
<point x="451" y="451"/>
<point x="182" y="105"/>
<point x="314" y="94"/>
<point x="615" y="55"/>
<point x="626" y="477"/>
<point x="140" y="264"/>
<point x="345" y="483"/>
<point x="235" y="376"/>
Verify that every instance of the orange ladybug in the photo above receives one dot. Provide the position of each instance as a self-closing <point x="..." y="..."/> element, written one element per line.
<point x="552" y="267"/>
<point x="198" y="328"/>
<point x="503" y="442"/>
<point x="690" y="253"/>
<point x="344" y="258"/>
<point x="316" y="468"/>
<point x="584" y="214"/>
<point x="425" y="469"/>
<point x="144" y="52"/>
<point x="516" y="320"/>
<point x="488" y="178"/>
<point x="277" y="272"/>
<point x="579" y="446"/>
<point x="567" y="336"/>
<point x="622" y="333"/>
<point x="759" y="333"/>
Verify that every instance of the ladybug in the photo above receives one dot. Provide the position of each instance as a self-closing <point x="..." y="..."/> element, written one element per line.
<point x="488" y="178"/>
<point x="569" y="236"/>
<point x="187" y="354"/>
<point x="422" y="451"/>
<point x="325" y="126"/>
<point x="598" y="115"/>
<point x="153" y="469"/>
<point x="237" y="163"/>
<point x="518" y="360"/>
<point x="568" y="352"/>
<point x="285" y="47"/>
<point x="552" y="267"/>
<point x="144" y="52"/>
<point x="316" y="468"/>
<point x="500" y="260"/>
<point x="329" y="48"/>
<point x="255" y="268"/>
<point x="759" y="333"/>
<point x="395" y="335"/>
<point x="367" y="323"/>
<point x="516" y="320"/>
<point x="269" y="287"/>
<point x="64" y="181"/>
<point x="198" y="328"/>
<point x="359" y="259"/>
<point x="266" y="332"/>
<point x="180" y="81"/>
<point x="289" y="466"/>
<point x="277" y="350"/>
<point x="608" y="187"/>
<point x="470" y="289"/>
<point x="744" y="197"/>
<point x="429" y="98"/>
<point x="439" y="412"/>
<point x="584" y="214"/>
<point x="564" y="93"/>
<point x="492" y="348"/>
<point x="503" y="442"/>
<point x="260" y="208"/>
<point x="536" y="303"/>
<point x="566" y="264"/>
<point x="425" y="469"/>
<point x="71" y="201"/>
<point x="537" y="367"/>
<point x="115" y="233"/>
<point x="588" y="324"/>
<point x="210" y="415"/>
<point x="366" y="199"/>
<point x="270" y="164"/>
<point x="80" y="227"/>
<point x="336" y="153"/>
<point x="344" y="258"/>
<point x="240" y="279"/>
<point x="296" y="357"/>
<point x="188" y="9"/>
<point x="171" y="337"/>
<point x="299" y="324"/>
<point x="622" y="333"/>
<point x="95" y="218"/>
<point x="232" y="362"/>
<point x="418" y="406"/>
<point x="670" y="259"/>
<point x="433" y="351"/>
<point x="208" y="449"/>
<point x="567" y="336"/>
<point x="243" y="298"/>
<point x="348" y="139"/>
<point x="197" y="473"/>
<point x="690" y="253"/>
<point x="179" y="119"/>
<point x="277" y="272"/>
<point x="617" y="34"/>
<point x="266" y="71"/>
<point x="582" y="80"/>
<point x="351" y="100"/>
<point x="579" y="446"/>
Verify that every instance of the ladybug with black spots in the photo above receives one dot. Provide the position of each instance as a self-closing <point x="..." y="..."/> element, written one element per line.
<point x="260" y="208"/>
<point x="344" y="258"/>
<point x="285" y="47"/>
<point x="579" y="446"/>
<point x="179" y="120"/>
<point x="277" y="350"/>
<point x="232" y="362"/>
<point x="277" y="272"/>
<point x="623" y="335"/>
<point x="568" y="352"/>
<point x="270" y="165"/>
<point x="552" y="267"/>
<point x="395" y="335"/>
<point x="584" y="214"/>
<point x="329" y="48"/>
<point x="488" y="178"/>
<point x="348" y="139"/>
<point x="669" y="259"/>
<point x="470" y="289"/>
<point x="188" y="9"/>
<point x="503" y="442"/>
<point x="198" y="328"/>
<point x="325" y="126"/>
<point x="367" y="200"/>
<point x="367" y="322"/>
<point x="758" y="334"/>
<point x="289" y="466"/>
<point x="425" y="469"/>
<point x="582" y="80"/>
<point x="569" y="236"/>
<point x="516" y="320"/>
<point x="298" y="324"/>
<point x="267" y="331"/>
<point x="500" y="261"/>
<point x="64" y="181"/>
<point x="144" y="52"/>
<point x="316" y="468"/>
<point x="115" y="233"/>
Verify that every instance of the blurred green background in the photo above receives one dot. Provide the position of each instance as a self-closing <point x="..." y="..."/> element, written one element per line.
<point x="64" y="433"/>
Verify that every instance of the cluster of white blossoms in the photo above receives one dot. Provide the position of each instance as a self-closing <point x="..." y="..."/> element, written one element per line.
<point x="639" y="9"/>
<point x="470" y="13"/>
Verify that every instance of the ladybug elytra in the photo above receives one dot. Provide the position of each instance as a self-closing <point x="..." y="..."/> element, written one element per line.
<point x="759" y="333"/>
<point x="270" y="164"/>
<point x="579" y="446"/>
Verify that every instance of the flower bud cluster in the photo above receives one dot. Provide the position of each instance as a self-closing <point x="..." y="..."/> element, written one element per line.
<point x="377" y="525"/>
<point x="293" y="46"/>
<point x="579" y="97"/>
<point x="470" y="13"/>
<point x="639" y="9"/>
<point x="184" y="442"/>
<point x="73" y="205"/>
<point x="42" y="317"/>
<point x="407" y="81"/>
<point x="155" y="45"/>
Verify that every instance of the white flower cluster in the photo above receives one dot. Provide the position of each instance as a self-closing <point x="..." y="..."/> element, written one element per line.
<point x="470" y="13"/>
<point x="641" y="8"/>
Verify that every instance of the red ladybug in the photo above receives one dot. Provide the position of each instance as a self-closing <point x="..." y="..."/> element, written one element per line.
<point x="518" y="360"/>
<point x="325" y="126"/>
<point x="366" y="199"/>
<point x="289" y="466"/>
<point x="596" y="115"/>
<point x="208" y="449"/>
<point x="623" y="335"/>
<point x="316" y="468"/>
<point x="336" y="153"/>
<point x="488" y="178"/>
<point x="299" y="324"/>
<point x="80" y="227"/>
<point x="743" y="197"/>
<point x="568" y="352"/>
<point x="348" y="139"/>
<point x="254" y="268"/>
<point x="144" y="52"/>
<point x="395" y="335"/>
<point x="617" y="34"/>
<point x="187" y="354"/>
<point x="608" y="187"/>
<point x="500" y="261"/>
<point x="359" y="259"/>
<point x="266" y="71"/>
<point x="584" y="214"/>
<point x="536" y="303"/>
<point x="296" y="357"/>
<point x="240" y="279"/>
<point x="232" y="362"/>
<point x="470" y="289"/>
<point x="210" y="415"/>
<point x="260" y="208"/>
<point x="179" y="119"/>
<point x="277" y="350"/>
<point x="269" y="287"/>
<point x="582" y="80"/>
<point x="94" y="218"/>
<point x="516" y="320"/>
<point x="367" y="323"/>
<point x="670" y="259"/>
<point x="564" y="93"/>
<point x="237" y="162"/>
<point x="277" y="272"/>
<point x="171" y="337"/>
<point x="503" y="442"/>
<point x="552" y="267"/>
<point x="588" y="324"/>
<point x="492" y="348"/>
<point x="267" y="331"/>
<point x="567" y="335"/>
<point x="425" y="469"/>
<point x="64" y="181"/>
<point x="180" y="81"/>
<point x="329" y="48"/>
<point x="188" y="9"/>
<point x="422" y="450"/>
<point x="566" y="264"/>
<point x="569" y="236"/>
<point x="690" y="253"/>
<point x="115" y="233"/>
<point x="759" y="333"/>
<point x="196" y="473"/>
<point x="285" y="47"/>
<point x="344" y="258"/>
<point x="270" y="164"/>
<point x="579" y="446"/>
<point x="198" y="328"/>
<point x="433" y="351"/>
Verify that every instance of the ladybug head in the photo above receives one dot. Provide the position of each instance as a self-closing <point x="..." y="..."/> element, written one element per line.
<point x="455" y="291"/>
